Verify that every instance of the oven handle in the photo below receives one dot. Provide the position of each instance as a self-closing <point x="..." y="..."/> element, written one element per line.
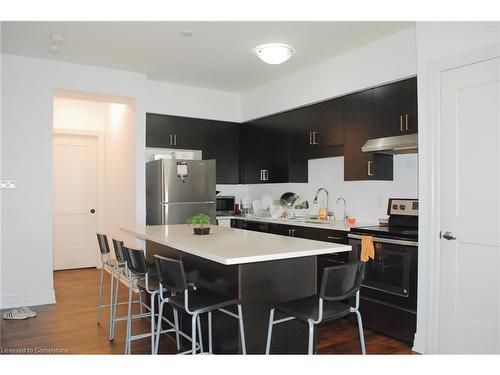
<point x="385" y="291"/>
<point x="386" y="240"/>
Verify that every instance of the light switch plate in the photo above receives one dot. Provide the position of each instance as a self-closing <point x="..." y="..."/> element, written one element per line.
<point x="7" y="184"/>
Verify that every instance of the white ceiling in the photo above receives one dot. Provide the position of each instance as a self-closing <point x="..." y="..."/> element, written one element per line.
<point x="218" y="56"/>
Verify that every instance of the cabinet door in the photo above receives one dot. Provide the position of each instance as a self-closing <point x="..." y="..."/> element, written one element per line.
<point x="330" y="126"/>
<point x="358" y="128"/>
<point x="317" y="130"/>
<point x="174" y="131"/>
<point x="222" y="143"/>
<point x="253" y="156"/>
<point x="396" y="109"/>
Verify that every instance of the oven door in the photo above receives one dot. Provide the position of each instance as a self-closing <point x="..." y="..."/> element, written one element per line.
<point x="392" y="276"/>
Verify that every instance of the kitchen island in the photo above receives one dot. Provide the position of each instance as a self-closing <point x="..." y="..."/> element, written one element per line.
<point x="259" y="269"/>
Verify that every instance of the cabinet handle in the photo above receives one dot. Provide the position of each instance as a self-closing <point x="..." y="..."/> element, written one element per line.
<point x="291" y="232"/>
<point x="401" y="123"/>
<point x="370" y="165"/>
<point x="170" y="140"/>
<point x="406" y="118"/>
<point x="264" y="175"/>
<point x="314" y="138"/>
<point x="175" y="139"/>
<point x="334" y="238"/>
<point x="310" y="138"/>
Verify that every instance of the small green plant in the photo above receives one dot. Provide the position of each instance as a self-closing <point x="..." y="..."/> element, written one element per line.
<point x="200" y="219"/>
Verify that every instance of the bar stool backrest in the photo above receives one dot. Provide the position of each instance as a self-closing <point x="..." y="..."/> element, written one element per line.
<point x="171" y="273"/>
<point x="102" y="239"/>
<point x="341" y="282"/>
<point x="136" y="261"/>
<point x="118" y="247"/>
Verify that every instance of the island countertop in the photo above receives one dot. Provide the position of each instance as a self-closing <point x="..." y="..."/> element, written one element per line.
<point x="231" y="246"/>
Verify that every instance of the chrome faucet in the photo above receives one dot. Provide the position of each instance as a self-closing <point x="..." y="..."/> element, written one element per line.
<point x="346" y="216"/>
<point x="329" y="213"/>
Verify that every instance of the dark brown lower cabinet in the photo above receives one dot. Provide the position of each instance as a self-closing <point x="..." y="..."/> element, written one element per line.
<point x="318" y="234"/>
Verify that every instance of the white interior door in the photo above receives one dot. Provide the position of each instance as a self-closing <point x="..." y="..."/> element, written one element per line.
<point x="75" y="196"/>
<point x="469" y="308"/>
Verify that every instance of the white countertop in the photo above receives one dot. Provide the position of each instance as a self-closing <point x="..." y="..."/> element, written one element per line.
<point x="234" y="246"/>
<point x="333" y="225"/>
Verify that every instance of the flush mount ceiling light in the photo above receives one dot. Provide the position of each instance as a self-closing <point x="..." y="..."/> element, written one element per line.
<point x="274" y="53"/>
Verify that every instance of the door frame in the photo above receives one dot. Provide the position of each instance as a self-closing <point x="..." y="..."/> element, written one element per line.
<point x="430" y="221"/>
<point x="99" y="136"/>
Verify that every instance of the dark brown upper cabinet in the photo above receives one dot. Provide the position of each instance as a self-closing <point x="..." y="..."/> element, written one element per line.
<point x="358" y="124"/>
<point x="266" y="152"/>
<point x="219" y="140"/>
<point x="317" y="131"/>
<point x="396" y="108"/>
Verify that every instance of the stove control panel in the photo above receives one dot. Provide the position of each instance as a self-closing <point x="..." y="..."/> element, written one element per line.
<point x="406" y="207"/>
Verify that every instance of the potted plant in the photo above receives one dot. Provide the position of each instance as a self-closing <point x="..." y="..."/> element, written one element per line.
<point x="200" y="220"/>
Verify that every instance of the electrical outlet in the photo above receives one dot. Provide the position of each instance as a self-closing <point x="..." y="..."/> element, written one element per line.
<point x="7" y="184"/>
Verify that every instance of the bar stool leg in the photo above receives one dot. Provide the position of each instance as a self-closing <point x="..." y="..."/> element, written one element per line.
<point x="158" y="326"/>
<point x="311" y="336"/>
<point x="140" y="302"/>
<point x="99" y="301"/>
<point x="193" y="333"/>
<point x="153" y="298"/>
<point x="176" y="323"/>
<point x="242" y="331"/>
<point x="111" y="290"/>
<point x="210" y="332"/>
<point x="115" y="304"/>
<point x="270" y="331"/>
<point x="129" y="319"/>
<point x="199" y="334"/>
<point x="361" y="334"/>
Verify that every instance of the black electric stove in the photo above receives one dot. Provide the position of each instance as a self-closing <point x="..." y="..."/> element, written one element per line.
<point x="388" y="298"/>
<point x="403" y="221"/>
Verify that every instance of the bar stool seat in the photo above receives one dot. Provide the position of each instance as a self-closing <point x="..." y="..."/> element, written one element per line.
<point x="153" y="283"/>
<point x="203" y="300"/>
<point x="308" y="308"/>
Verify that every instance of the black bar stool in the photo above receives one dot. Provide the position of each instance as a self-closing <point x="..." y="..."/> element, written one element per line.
<point x="338" y="283"/>
<point x="112" y="266"/>
<point x="141" y="278"/>
<point x="121" y="270"/>
<point x="195" y="302"/>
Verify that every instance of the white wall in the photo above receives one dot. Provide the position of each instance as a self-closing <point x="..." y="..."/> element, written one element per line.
<point x="28" y="86"/>
<point x="436" y="41"/>
<point x="77" y="114"/>
<point x="179" y="100"/>
<point x="385" y="60"/>
<point x="366" y="200"/>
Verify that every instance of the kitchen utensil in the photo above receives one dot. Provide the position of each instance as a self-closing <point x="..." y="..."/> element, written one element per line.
<point x="288" y="199"/>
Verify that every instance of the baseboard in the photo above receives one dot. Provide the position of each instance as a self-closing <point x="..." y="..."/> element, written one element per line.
<point x="419" y="344"/>
<point x="33" y="298"/>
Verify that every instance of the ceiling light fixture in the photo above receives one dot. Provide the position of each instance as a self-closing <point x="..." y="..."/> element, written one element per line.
<point x="274" y="53"/>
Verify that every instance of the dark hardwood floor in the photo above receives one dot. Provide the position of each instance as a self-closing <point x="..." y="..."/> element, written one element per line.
<point x="69" y="326"/>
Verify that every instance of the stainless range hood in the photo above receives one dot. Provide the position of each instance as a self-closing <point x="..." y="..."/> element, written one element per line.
<point x="400" y="144"/>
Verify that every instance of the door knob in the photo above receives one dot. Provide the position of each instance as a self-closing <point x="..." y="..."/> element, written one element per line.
<point x="449" y="236"/>
<point x="92" y="211"/>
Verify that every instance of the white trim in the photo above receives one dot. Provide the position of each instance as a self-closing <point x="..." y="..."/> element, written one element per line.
<point x="427" y="336"/>
<point x="100" y="174"/>
<point x="32" y="298"/>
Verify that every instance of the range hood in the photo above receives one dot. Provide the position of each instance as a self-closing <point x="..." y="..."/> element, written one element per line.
<point x="400" y="144"/>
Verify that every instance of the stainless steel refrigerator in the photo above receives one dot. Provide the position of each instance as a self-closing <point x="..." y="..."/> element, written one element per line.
<point x="179" y="189"/>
